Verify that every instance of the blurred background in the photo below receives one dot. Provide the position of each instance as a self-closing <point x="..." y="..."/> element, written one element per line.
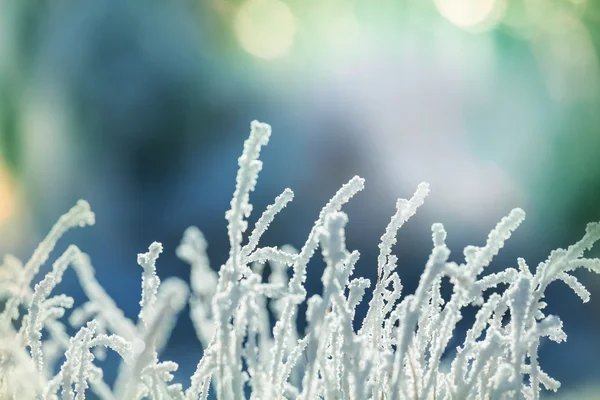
<point x="142" y="107"/>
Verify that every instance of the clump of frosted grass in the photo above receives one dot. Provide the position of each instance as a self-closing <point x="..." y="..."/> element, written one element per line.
<point x="395" y="354"/>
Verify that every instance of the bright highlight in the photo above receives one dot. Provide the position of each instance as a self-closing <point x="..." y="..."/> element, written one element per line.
<point x="265" y="28"/>
<point x="469" y="13"/>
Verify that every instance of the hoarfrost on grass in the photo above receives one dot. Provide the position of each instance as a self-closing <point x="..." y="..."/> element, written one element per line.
<point x="395" y="354"/>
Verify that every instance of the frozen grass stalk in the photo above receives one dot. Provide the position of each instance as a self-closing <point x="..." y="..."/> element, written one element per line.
<point x="395" y="354"/>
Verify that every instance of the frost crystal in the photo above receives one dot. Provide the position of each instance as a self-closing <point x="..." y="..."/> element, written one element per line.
<point x="395" y="354"/>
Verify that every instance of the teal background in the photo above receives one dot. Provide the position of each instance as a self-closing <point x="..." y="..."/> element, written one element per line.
<point x="142" y="107"/>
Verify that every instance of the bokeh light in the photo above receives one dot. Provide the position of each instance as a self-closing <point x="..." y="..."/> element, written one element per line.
<point x="472" y="14"/>
<point x="265" y="28"/>
<point x="8" y="194"/>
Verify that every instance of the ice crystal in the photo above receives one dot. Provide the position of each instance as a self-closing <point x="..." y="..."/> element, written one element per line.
<point x="395" y="354"/>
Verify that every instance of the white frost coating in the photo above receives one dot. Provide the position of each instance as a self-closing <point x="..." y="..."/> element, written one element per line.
<point x="80" y="215"/>
<point x="396" y="354"/>
<point x="150" y="281"/>
<point x="404" y="210"/>
<point x="265" y="220"/>
<point x="247" y="175"/>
